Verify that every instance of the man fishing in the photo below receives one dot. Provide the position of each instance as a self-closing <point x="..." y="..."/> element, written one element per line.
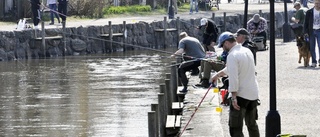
<point x="193" y="52"/>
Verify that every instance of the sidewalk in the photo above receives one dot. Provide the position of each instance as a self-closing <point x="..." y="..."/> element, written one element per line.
<point x="234" y="8"/>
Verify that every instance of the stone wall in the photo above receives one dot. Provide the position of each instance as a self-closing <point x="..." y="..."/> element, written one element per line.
<point x="86" y="40"/>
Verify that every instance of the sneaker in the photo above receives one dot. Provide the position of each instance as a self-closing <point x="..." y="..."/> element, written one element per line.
<point x="51" y="23"/>
<point x="184" y="90"/>
<point x="204" y="83"/>
<point x="313" y="65"/>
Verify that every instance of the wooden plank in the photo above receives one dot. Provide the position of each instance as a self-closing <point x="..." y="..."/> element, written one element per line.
<point x="170" y="121"/>
<point x="113" y="35"/>
<point x="177" y="105"/>
<point x="50" y="38"/>
<point x="169" y="29"/>
<point x="178" y="121"/>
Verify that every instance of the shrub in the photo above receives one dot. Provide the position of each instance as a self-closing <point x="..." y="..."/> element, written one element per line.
<point x="126" y="9"/>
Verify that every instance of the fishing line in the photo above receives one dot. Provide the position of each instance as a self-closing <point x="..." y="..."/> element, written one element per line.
<point x="211" y="85"/>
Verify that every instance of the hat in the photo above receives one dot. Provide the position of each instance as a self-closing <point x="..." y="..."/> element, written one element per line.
<point x="256" y="18"/>
<point x="223" y="37"/>
<point x="203" y="21"/>
<point x="242" y="31"/>
<point x="296" y="4"/>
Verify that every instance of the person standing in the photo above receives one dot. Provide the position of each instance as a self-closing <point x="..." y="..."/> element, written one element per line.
<point x="298" y="19"/>
<point x="193" y="50"/>
<point x="304" y="3"/>
<point x="243" y="86"/>
<point x="312" y="30"/>
<point x="257" y="26"/>
<point x="210" y="35"/>
<point x="243" y="38"/>
<point x="62" y="9"/>
<point x="53" y="10"/>
<point x="193" y="3"/>
<point x="35" y="8"/>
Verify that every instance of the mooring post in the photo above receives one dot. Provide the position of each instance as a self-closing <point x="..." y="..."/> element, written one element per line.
<point x="174" y="81"/>
<point x="178" y="30"/>
<point x="124" y="37"/>
<point x="224" y="21"/>
<point x="110" y="36"/>
<point x="154" y="107"/>
<point x="165" y="32"/>
<point x="162" y="114"/>
<point x="64" y="37"/>
<point x="169" y="96"/>
<point x="43" y="33"/>
<point x="151" y="125"/>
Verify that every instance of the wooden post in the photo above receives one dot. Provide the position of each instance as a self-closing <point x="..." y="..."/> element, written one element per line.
<point x="213" y="15"/>
<point x="174" y="82"/>
<point x="178" y="30"/>
<point x="224" y="21"/>
<point x="110" y="36"/>
<point x="165" y="32"/>
<point x="154" y="107"/>
<point x="151" y="125"/>
<point x="124" y="37"/>
<point x="64" y="37"/>
<point x="169" y="96"/>
<point x="162" y="114"/>
<point x="43" y="33"/>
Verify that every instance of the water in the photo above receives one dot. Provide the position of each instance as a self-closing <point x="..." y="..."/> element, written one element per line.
<point x="80" y="96"/>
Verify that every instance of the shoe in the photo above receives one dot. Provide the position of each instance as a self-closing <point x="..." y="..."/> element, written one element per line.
<point x="195" y="72"/>
<point x="204" y="83"/>
<point x="51" y="23"/>
<point x="313" y="65"/>
<point x="184" y="90"/>
<point x="319" y="62"/>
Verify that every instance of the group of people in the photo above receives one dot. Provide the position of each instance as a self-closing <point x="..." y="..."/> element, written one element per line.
<point x="307" y="25"/>
<point x="61" y="13"/>
<point x="238" y="64"/>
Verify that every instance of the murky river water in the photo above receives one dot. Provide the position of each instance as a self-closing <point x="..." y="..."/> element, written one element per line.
<point x="80" y="96"/>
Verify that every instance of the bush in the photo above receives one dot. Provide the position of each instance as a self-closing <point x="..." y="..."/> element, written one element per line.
<point x="126" y="9"/>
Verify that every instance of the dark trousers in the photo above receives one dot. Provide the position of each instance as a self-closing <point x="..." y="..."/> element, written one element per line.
<point x="248" y="111"/>
<point x="62" y="9"/>
<point x="184" y="67"/>
<point x="36" y="14"/>
<point x="264" y="35"/>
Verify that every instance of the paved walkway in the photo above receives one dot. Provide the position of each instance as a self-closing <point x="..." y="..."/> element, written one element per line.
<point x="234" y="8"/>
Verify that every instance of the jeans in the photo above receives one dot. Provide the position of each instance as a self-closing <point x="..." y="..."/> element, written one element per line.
<point x="193" y="3"/>
<point x="53" y="12"/>
<point x="315" y="36"/>
<point x="183" y="68"/>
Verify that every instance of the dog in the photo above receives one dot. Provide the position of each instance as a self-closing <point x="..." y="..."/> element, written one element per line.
<point x="304" y="50"/>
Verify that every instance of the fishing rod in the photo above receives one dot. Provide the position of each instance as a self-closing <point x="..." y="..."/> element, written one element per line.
<point x="211" y="85"/>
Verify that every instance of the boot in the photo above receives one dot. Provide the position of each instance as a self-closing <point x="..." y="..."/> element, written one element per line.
<point x="204" y="83"/>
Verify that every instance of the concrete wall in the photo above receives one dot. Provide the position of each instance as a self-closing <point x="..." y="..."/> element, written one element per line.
<point x="83" y="41"/>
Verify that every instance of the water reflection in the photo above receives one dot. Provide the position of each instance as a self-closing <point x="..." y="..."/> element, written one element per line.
<point x="79" y="96"/>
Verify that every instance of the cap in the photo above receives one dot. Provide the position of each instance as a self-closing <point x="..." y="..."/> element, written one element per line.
<point x="256" y="18"/>
<point x="242" y="31"/>
<point x="203" y="21"/>
<point x="223" y="37"/>
<point x="296" y="4"/>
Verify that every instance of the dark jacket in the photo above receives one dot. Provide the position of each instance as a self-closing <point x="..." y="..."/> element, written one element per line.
<point x="308" y="22"/>
<point x="35" y="2"/>
<point x="210" y="33"/>
<point x="62" y="1"/>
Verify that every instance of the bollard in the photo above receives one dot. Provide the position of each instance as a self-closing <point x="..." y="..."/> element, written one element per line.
<point x="43" y="33"/>
<point x="154" y="107"/>
<point x="151" y="125"/>
<point x="174" y="82"/>
<point x="124" y="37"/>
<point x="162" y="114"/>
<point x="165" y="32"/>
<point x="168" y="94"/>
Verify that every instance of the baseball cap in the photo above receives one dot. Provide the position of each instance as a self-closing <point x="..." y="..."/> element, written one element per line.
<point x="242" y="31"/>
<point x="203" y="21"/>
<point x="256" y="18"/>
<point x="296" y="4"/>
<point x="223" y="37"/>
